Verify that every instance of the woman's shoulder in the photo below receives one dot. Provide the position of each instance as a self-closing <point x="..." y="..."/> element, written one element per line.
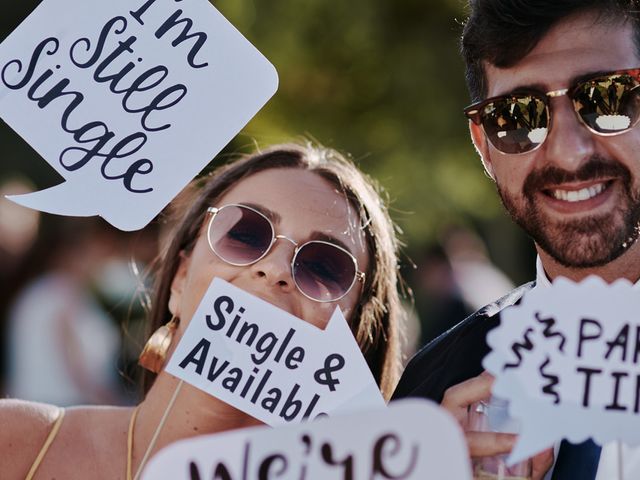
<point x="25" y="427"/>
<point x="29" y="419"/>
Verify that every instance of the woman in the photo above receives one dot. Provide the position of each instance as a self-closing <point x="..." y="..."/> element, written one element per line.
<point x="307" y="194"/>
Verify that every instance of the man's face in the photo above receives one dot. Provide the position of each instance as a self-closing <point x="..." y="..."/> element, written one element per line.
<point x="578" y="195"/>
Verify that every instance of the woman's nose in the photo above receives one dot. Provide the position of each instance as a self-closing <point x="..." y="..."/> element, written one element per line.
<point x="275" y="266"/>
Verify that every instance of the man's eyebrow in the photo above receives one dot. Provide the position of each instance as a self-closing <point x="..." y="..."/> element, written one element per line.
<point x="538" y="87"/>
<point x="587" y="76"/>
<point x="270" y="214"/>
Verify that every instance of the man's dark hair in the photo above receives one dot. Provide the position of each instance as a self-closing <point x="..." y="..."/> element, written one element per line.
<point x="501" y="32"/>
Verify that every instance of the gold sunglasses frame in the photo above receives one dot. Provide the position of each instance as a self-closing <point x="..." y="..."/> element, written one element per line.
<point x="475" y="112"/>
<point x="358" y="275"/>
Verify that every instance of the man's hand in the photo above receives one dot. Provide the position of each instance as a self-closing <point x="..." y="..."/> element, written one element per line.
<point x="458" y="400"/>
<point x="542" y="462"/>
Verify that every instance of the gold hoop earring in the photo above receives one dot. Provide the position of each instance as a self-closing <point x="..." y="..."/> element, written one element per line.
<point x="155" y="351"/>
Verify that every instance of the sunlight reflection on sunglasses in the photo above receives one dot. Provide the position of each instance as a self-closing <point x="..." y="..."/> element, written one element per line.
<point x="518" y="123"/>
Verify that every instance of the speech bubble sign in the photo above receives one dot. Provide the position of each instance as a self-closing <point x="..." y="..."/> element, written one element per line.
<point x="269" y="363"/>
<point x="127" y="100"/>
<point x="411" y="440"/>
<point x="567" y="358"/>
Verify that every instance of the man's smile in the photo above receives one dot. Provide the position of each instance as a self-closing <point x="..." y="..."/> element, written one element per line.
<point x="574" y="195"/>
<point x="583" y="197"/>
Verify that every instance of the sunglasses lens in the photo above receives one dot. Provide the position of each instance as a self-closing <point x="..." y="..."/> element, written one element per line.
<point x="239" y="235"/>
<point x="609" y="104"/>
<point x="323" y="271"/>
<point x="515" y="124"/>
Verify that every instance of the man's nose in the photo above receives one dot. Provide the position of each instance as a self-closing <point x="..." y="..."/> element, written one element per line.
<point x="569" y="143"/>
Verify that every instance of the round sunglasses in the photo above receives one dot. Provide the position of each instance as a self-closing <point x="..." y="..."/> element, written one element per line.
<point x="607" y="104"/>
<point x="241" y="236"/>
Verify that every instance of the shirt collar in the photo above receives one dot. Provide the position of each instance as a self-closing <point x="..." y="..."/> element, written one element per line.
<point x="541" y="276"/>
<point x="543" y="281"/>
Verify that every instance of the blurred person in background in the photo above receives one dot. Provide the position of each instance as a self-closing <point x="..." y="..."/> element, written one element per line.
<point x="479" y="280"/>
<point x="438" y="297"/>
<point x="62" y="346"/>
<point x="19" y="229"/>
<point x="453" y="279"/>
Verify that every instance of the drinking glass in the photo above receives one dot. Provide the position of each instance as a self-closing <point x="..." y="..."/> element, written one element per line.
<point x="493" y="416"/>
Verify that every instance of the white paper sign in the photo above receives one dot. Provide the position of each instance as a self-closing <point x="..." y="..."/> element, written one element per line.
<point x="411" y="440"/>
<point x="568" y="360"/>
<point x="127" y="99"/>
<point x="269" y="363"/>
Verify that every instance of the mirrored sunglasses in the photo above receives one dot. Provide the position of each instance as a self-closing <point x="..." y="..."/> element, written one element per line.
<point x="241" y="236"/>
<point x="519" y="122"/>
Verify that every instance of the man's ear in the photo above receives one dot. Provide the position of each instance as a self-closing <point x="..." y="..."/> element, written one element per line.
<point x="480" y="142"/>
<point x="178" y="284"/>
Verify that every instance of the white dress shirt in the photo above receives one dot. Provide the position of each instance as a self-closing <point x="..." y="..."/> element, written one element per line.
<point x="609" y="458"/>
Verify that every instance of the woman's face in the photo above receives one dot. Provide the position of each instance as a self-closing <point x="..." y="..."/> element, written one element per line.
<point x="302" y="206"/>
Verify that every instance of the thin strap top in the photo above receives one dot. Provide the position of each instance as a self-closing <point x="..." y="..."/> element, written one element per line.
<point x="47" y="444"/>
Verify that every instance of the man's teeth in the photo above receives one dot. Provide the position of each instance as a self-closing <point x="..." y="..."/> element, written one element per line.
<point x="578" y="195"/>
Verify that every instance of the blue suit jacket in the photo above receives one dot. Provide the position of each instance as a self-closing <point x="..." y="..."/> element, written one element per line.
<point x="456" y="355"/>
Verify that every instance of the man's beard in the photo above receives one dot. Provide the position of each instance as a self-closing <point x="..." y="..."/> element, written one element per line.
<point x="586" y="242"/>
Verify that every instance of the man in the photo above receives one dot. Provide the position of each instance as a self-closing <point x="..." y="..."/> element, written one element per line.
<point x="556" y="131"/>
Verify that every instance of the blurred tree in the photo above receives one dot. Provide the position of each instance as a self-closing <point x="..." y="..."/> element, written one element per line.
<point x="381" y="80"/>
<point x="384" y="81"/>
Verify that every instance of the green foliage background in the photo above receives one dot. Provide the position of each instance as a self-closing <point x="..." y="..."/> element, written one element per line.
<point x="379" y="79"/>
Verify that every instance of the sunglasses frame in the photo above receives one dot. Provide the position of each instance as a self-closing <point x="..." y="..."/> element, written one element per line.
<point x="358" y="276"/>
<point x="475" y="111"/>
